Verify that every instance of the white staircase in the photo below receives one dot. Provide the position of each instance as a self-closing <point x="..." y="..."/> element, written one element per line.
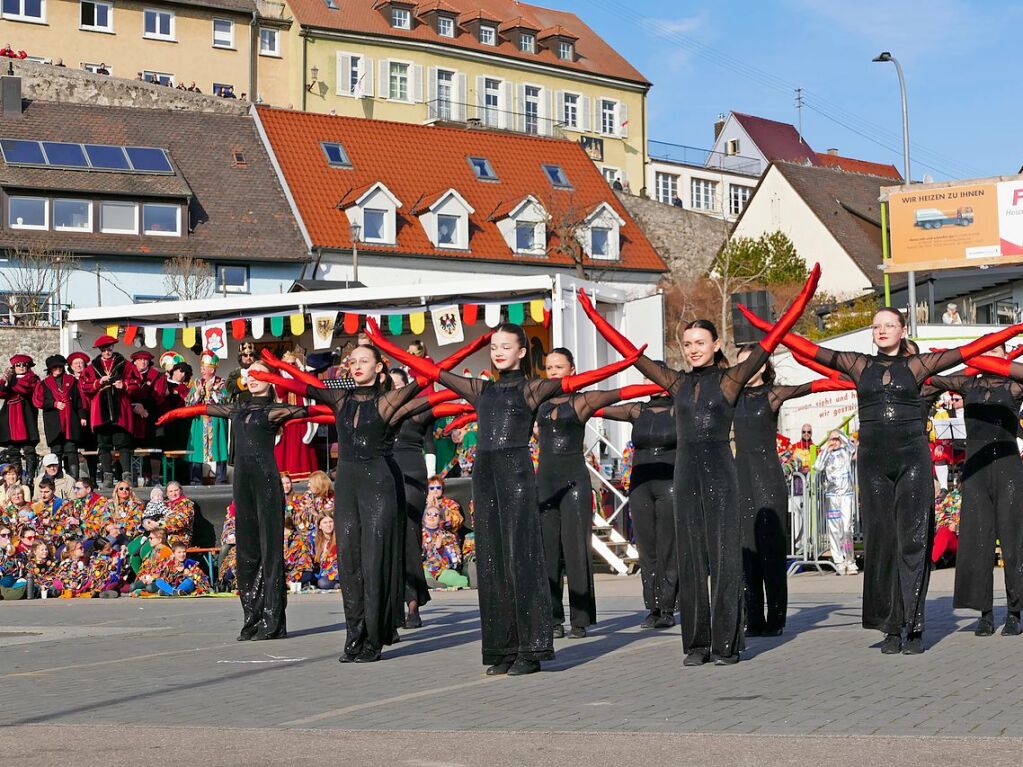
<point x="610" y="545"/>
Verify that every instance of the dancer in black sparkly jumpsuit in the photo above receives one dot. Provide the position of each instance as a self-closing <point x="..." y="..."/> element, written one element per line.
<point x="706" y="483"/>
<point x="259" y="505"/>
<point x="992" y="488"/>
<point x="515" y="607"/>
<point x="651" y="497"/>
<point x="894" y="470"/>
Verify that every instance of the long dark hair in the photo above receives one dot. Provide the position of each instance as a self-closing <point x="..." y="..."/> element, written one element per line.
<point x="769" y="374"/>
<point x="566" y="353"/>
<point x="384" y="381"/>
<point x="719" y="356"/>
<point x="520" y="334"/>
<point x="904" y="348"/>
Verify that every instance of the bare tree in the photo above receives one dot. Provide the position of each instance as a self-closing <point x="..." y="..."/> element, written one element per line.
<point x="36" y="281"/>
<point x="566" y="222"/>
<point x="188" y="278"/>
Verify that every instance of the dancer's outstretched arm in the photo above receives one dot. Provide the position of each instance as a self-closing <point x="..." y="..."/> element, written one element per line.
<point x="588" y="403"/>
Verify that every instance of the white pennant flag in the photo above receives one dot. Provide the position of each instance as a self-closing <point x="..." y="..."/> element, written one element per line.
<point x="257" y="327"/>
<point x="149" y="336"/>
<point x="492" y="315"/>
<point x="323" y="328"/>
<point x="447" y="324"/>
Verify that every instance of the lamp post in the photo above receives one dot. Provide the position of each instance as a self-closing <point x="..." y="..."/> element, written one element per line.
<point x="882" y="57"/>
<point x="356" y="231"/>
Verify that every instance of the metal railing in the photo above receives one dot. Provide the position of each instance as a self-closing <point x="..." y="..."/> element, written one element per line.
<point x="479" y="116"/>
<point x="808" y="538"/>
<point x="706" y="158"/>
<point x="31" y="312"/>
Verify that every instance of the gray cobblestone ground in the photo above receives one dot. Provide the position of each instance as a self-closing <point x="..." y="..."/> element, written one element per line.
<point x="176" y="662"/>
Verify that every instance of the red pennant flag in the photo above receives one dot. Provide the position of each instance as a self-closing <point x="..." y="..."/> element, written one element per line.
<point x="237" y="329"/>
<point x="129" y="334"/>
<point x="351" y="323"/>
<point x="546" y="317"/>
<point x="470" y="313"/>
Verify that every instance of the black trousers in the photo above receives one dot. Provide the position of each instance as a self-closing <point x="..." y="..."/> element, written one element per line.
<point x="259" y="536"/>
<point x="651" y="506"/>
<point x="992" y="509"/>
<point x="515" y="597"/>
<point x="368" y="504"/>
<point x="566" y="523"/>
<point x="110" y="438"/>
<point x="67" y="451"/>
<point x="764" y="539"/>
<point x="413" y="471"/>
<point x="709" y="543"/>
<point x="28" y="456"/>
<point x="897" y="514"/>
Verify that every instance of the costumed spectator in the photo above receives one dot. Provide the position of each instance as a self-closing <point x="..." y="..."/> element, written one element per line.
<point x="63" y="484"/>
<point x="442" y="556"/>
<point x="63" y="409"/>
<point x="835" y="462"/>
<point x="140" y="547"/>
<point x="11" y="476"/>
<point x="325" y="555"/>
<point x="207" y="438"/>
<point x="147" y="405"/>
<point x="12" y="566"/>
<point x="182" y="576"/>
<point x="17" y="511"/>
<point x="237" y="385"/>
<point x="109" y="382"/>
<point x="78" y="362"/>
<point x="173" y="435"/>
<point x="155" y="510"/>
<point x="294" y="452"/>
<point x="125" y="509"/>
<point x="89" y="508"/>
<point x="26" y="541"/>
<point x="228" y="561"/>
<point x="46" y="504"/>
<point x="19" y="430"/>
<point x="105" y="569"/>
<point x="39" y="570"/>
<point x="151" y="557"/>
<point x="290" y="496"/>
<point x="72" y="577"/>
<point x="452" y="518"/>
<point x="946" y="527"/>
<point x="180" y="515"/>
<point x="55" y="517"/>
<point x="314" y="503"/>
<point x="298" y="554"/>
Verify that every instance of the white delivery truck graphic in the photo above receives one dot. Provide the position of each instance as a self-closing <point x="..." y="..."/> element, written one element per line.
<point x="933" y="218"/>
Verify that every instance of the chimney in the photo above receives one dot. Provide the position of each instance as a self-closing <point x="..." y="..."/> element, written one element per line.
<point x="833" y="152"/>
<point x="718" y="125"/>
<point x="10" y="96"/>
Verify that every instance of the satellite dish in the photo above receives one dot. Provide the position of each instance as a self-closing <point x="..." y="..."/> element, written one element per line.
<point x="928" y="178"/>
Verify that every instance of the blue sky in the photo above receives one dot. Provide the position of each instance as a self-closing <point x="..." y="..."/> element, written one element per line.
<point x="706" y="57"/>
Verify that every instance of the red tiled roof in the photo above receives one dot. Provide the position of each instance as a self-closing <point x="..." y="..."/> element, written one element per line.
<point x="418" y="162"/>
<point x="853" y="165"/>
<point x="518" y="23"/>
<point x="592" y="54"/>
<point x="435" y="6"/>
<point x="776" y="140"/>
<point x="557" y="31"/>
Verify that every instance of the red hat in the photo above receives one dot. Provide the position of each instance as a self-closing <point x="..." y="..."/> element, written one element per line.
<point x="104" y="341"/>
<point x="17" y="359"/>
<point x="142" y="354"/>
<point x="77" y="356"/>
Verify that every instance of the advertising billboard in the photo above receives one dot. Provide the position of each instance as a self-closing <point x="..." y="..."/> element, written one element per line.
<point x="955" y="224"/>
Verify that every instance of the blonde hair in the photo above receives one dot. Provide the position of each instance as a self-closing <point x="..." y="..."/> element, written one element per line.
<point x="319" y="485"/>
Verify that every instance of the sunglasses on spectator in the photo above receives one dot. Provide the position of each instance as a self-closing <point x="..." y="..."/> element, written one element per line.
<point x="248" y="354"/>
<point x="5" y="535"/>
<point x="807" y="432"/>
<point x="436" y="487"/>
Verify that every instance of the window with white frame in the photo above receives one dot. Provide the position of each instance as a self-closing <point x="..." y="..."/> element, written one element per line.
<point x="72" y="215"/>
<point x="482" y="168"/>
<point x="25" y="10"/>
<point x="269" y="41"/>
<point x="398" y="85"/>
<point x="28" y="212"/>
<point x="600" y="237"/>
<point x="232" y="278"/>
<point x="611" y="174"/>
<point x="531" y="109"/>
<point x="447" y="231"/>
<point x="336" y="154"/>
<point x="445" y="26"/>
<point x="445" y="93"/>
<point x="732" y="146"/>
<point x="491" y="102"/>
<point x="527" y="42"/>
<point x="704" y="194"/>
<point x="600" y="242"/>
<point x="374" y="215"/>
<point x="566" y="51"/>
<point x="609" y="117"/>
<point x="525" y="237"/>
<point x="161" y="220"/>
<point x="160" y="78"/>
<point x="738" y="196"/>
<point x="223" y="33"/>
<point x="374" y="225"/>
<point x="97" y="69"/>
<point x="666" y="187"/>
<point x="488" y="34"/>
<point x="118" y="218"/>
<point x="95" y="16"/>
<point x="556" y="175"/>
<point x="354" y="75"/>
<point x="570" y="110"/>
<point x="401" y="18"/>
<point x="158" y="25"/>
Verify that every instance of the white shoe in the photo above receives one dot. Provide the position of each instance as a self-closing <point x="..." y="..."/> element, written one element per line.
<point x="852" y="570"/>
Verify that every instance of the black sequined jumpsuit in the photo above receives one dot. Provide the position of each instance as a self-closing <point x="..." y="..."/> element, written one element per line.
<point x="764" y="500"/>
<point x="992" y="489"/>
<point x="414" y="439"/>
<point x="896" y="485"/>
<point x="707" y="518"/>
<point x="369" y="498"/>
<point x="566" y="501"/>
<point x="651" y="498"/>
<point x="515" y="598"/>
<point x="259" y="511"/>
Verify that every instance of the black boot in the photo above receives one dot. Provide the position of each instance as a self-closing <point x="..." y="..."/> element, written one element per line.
<point x="914" y="643"/>
<point x="892" y="644"/>
<point x="126" y="474"/>
<point x="31" y="465"/>
<point x="986" y="624"/>
<point x="1011" y="627"/>
<point x="106" y="460"/>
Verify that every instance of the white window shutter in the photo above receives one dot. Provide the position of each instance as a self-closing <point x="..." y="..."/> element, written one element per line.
<point x="481" y="96"/>
<point x="432" y="111"/>
<point x="417" y="83"/>
<point x="520" y="108"/>
<point x="623" y="119"/>
<point x="586" y="114"/>
<point x="548" y="102"/>
<point x="384" y="85"/>
<point x="506" y="106"/>
<point x="344" y="69"/>
<point x="458" y="108"/>
<point x="559" y="116"/>
<point x="366" y="74"/>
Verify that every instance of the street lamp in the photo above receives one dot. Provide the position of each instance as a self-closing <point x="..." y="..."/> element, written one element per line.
<point x="882" y="57"/>
<point x="356" y="231"/>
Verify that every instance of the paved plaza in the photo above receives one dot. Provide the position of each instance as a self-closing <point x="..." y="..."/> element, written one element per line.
<point x="169" y="675"/>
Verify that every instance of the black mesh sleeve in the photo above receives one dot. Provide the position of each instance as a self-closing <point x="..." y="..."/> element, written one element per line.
<point x="281" y="413"/>
<point x="737" y="376"/>
<point x="587" y="403"/>
<point x="926" y="365"/>
<point x="467" y="388"/>
<point x="850" y="363"/>
<point x="220" y="411"/>
<point x="627" y="413"/>
<point x="539" y="390"/>
<point x="781" y="394"/>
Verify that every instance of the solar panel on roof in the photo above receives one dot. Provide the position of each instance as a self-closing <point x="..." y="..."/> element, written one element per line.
<point x="107" y="157"/>
<point x="22" y="152"/>
<point x="148" y="159"/>
<point x="67" y="155"/>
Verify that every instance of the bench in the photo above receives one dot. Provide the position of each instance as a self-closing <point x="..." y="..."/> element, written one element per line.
<point x="167" y="466"/>
<point x="211" y="556"/>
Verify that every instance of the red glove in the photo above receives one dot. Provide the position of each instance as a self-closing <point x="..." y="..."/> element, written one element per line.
<point x="621" y="344"/>
<point x="995" y="365"/>
<point x="582" y="380"/>
<point x="817" y="367"/>
<point x="458" y="423"/>
<point x="640" y="390"/>
<point x="439" y="396"/>
<point x="793" y="313"/>
<point x="315" y="410"/>
<point x="451" y="408"/>
<point x="990" y="341"/>
<point x="181" y="412"/>
<point x="288" y="384"/>
<point x="832" y="384"/>
<point x="796" y="343"/>
<point x="307" y="378"/>
<point x="420" y="365"/>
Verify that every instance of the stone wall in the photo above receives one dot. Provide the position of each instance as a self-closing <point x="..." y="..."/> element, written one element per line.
<point x="76" y="86"/>
<point x="40" y="343"/>
<point x="686" y="240"/>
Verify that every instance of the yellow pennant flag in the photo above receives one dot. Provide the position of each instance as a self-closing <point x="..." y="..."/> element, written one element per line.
<point x="112" y="330"/>
<point x="297" y="324"/>
<point x="417" y="322"/>
<point x="188" y="337"/>
<point x="536" y="310"/>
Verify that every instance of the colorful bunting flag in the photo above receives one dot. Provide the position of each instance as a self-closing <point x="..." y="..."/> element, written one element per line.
<point x="470" y="313"/>
<point x="517" y="313"/>
<point x="492" y="315"/>
<point x="536" y="310"/>
<point x="277" y="326"/>
<point x="417" y="322"/>
<point x="237" y="329"/>
<point x="297" y="322"/>
<point x="167" y="338"/>
<point x="150" y="335"/>
<point x="214" y="338"/>
<point x="257" y="328"/>
<point x="130" y="333"/>
<point x="447" y="324"/>
<point x="350" y="323"/>
<point x="395" y="324"/>
<point x="323" y="328"/>
<point x="188" y="336"/>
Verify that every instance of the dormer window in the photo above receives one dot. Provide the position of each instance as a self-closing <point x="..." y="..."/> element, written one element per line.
<point x="401" y="18"/>
<point x="445" y="219"/>
<point x="445" y="26"/>
<point x="523" y="224"/>
<point x="374" y="225"/>
<point x="527" y="42"/>
<point x="600" y="234"/>
<point x="447" y="231"/>
<point x="372" y="212"/>
<point x="488" y="34"/>
<point x="566" y="51"/>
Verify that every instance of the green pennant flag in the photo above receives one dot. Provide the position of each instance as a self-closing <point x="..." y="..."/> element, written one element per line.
<point x="516" y="313"/>
<point x="277" y="326"/>
<point x="395" y="324"/>
<point x="167" y="338"/>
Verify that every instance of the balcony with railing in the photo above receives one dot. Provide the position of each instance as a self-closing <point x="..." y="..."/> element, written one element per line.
<point x="704" y="158"/>
<point x="487" y="117"/>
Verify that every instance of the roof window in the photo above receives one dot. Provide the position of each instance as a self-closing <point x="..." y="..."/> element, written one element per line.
<point x="331" y="5"/>
<point x="336" y="154"/>
<point x="57" y="154"/>
<point x="557" y="176"/>
<point x="482" y="168"/>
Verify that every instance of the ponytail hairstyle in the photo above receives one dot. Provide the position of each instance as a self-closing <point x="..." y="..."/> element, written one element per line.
<point x="769" y="374"/>
<point x="720" y="360"/>
<point x="566" y="353"/>
<point x="384" y="382"/>
<point x="523" y="341"/>
<point x="904" y="343"/>
<point x="400" y="373"/>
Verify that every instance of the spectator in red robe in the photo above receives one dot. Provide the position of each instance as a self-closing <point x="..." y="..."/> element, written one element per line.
<point x="19" y="430"/>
